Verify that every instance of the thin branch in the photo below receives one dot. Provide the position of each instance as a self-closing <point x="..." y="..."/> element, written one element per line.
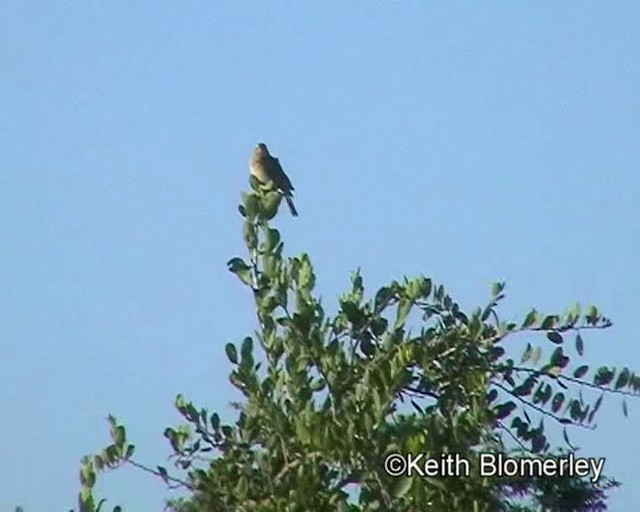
<point x="511" y="434"/>
<point x="562" y="421"/>
<point x="165" y="478"/>
<point x="581" y="382"/>
<point x="585" y="327"/>
<point x="421" y="393"/>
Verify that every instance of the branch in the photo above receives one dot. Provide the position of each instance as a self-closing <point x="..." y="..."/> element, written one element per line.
<point x="581" y="382"/>
<point x="422" y="393"/>
<point x="562" y="421"/>
<point x="165" y="477"/>
<point x="515" y="438"/>
<point x="565" y="328"/>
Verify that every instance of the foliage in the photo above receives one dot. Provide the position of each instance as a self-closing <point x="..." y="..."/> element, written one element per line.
<point x="327" y="398"/>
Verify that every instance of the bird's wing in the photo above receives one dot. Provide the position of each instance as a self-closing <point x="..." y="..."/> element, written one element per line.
<point x="281" y="179"/>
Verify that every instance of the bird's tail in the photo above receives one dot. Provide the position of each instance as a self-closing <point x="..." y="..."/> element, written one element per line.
<point x="294" y="212"/>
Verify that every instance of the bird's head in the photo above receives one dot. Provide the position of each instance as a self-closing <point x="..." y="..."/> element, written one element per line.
<point x="261" y="148"/>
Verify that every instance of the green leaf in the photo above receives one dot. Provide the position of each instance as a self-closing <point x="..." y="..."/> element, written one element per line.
<point x="246" y="350"/>
<point x="425" y="286"/>
<point x="119" y="436"/>
<point x="383" y="296"/>
<point x="537" y="443"/>
<point x="255" y="184"/>
<point x="487" y="312"/>
<point x="603" y="376"/>
<point x="241" y="269"/>
<point x="237" y="380"/>
<point x="555" y="337"/>
<point x="302" y="431"/>
<point x="215" y="421"/>
<point x="575" y="411"/>
<point x="379" y="326"/>
<point x="357" y="285"/>
<point x="575" y="311"/>
<point x="557" y="402"/>
<point x="401" y="486"/>
<point x="496" y="352"/>
<point x="111" y="454"/>
<point x="623" y="379"/>
<point x="270" y="204"/>
<point x="129" y="451"/>
<point x="353" y="312"/>
<point x="368" y="348"/>
<point x="249" y="234"/>
<point x="435" y="482"/>
<point x="530" y="319"/>
<point x="98" y="462"/>
<point x="556" y="357"/>
<point x="272" y="239"/>
<point x="251" y="206"/>
<point x="581" y="371"/>
<point x="526" y="355"/>
<point x="306" y="277"/>
<point x="526" y="387"/>
<point x="549" y="322"/>
<point x="496" y="288"/>
<point x="163" y="474"/>
<point x="554" y="371"/>
<point x="241" y="488"/>
<point x="438" y="293"/>
<point x="535" y="356"/>
<point x="592" y="316"/>
<point x="404" y="308"/>
<point x="598" y="403"/>
<point x="87" y="475"/>
<point x="503" y="410"/>
<point x="232" y="354"/>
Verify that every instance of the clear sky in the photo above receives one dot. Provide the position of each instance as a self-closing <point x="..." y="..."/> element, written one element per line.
<point x="469" y="142"/>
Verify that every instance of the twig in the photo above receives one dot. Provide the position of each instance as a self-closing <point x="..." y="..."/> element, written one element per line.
<point x="577" y="381"/>
<point x="164" y="477"/>
<point x="560" y="420"/>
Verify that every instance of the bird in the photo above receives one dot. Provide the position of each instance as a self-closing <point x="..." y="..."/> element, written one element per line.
<point x="267" y="168"/>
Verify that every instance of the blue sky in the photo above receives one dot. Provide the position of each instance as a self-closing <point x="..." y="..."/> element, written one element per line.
<point x="469" y="142"/>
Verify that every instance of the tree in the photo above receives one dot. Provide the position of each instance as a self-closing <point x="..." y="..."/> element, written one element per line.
<point x="328" y="399"/>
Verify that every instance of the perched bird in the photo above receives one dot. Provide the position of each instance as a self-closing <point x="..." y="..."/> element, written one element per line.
<point x="267" y="168"/>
